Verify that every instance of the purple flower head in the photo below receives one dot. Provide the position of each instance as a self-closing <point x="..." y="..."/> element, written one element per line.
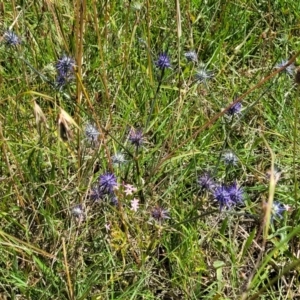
<point x="65" y="66"/>
<point x="236" y="193"/>
<point x="230" y="158"/>
<point x="163" y="61"/>
<point x="206" y="182"/>
<point x="160" y="214"/>
<point x="222" y="195"/>
<point x="108" y="183"/>
<point x="290" y="69"/>
<point x="191" y="56"/>
<point x="235" y="109"/>
<point x="11" y="39"/>
<point x="136" y="137"/>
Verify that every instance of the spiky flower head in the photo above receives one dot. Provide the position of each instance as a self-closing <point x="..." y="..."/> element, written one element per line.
<point x="230" y="158"/>
<point x="236" y="193"/>
<point x="277" y="210"/>
<point x="91" y="132"/>
<point x="108" y="183"/>
<point x="77" y="210"/>
<point x="235" y="109"/>
<point x="118" y="158"/>
<point x="222" y="195"/>
<point x="11" y="39"/>
<point x="203" y="75"/>
<point x="65" y="66"/>
<point x="163" y="61"/>
<point x="136" y="137"/>
<point x="160" y="214"/>
<point x="191" y="56"/>
<point x="205" y="181"/>
<point x="290" y="69"/>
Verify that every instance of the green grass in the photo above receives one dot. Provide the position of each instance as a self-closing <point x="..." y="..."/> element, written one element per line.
<point x="48" y="165"/>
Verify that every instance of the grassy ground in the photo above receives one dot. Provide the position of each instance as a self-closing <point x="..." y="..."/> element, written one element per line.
<point x="105" y="142"/>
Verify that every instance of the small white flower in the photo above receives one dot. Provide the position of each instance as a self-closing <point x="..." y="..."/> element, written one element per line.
<point x="230" y="158"/>
<point x="135" y="204"/>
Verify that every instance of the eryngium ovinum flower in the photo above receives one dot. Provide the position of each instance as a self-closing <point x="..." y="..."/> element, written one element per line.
<point x="230" y="158"/>
<point x="11" y="39"/>
<point x="65" y="70"/>
<point x="91" y="132"/>
<point x="191" y="56"/>
<point x="206" y="182"/>
<point x="136" y="137"/>
<point x="203" y="75"/>
<point x="107" y="184"/>
<point x="277" y="210"/>
<point x="228" y="196"/>
<point x="235" y="109"/>
<point x="163" y="61"/>
<point x="160" y="214"/>
<point x="118" y="159"/>
<point x="290" y="69"/>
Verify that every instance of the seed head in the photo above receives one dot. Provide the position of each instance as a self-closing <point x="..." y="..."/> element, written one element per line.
<point x="163" y="61"/>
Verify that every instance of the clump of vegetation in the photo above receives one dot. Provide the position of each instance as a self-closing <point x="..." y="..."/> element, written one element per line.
<point x="149" y="151"/>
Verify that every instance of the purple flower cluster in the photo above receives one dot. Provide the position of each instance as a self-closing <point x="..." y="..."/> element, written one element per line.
<point x="65" y="70"/>
<point x="107" y="183"/>
<point x="228" y="196"/>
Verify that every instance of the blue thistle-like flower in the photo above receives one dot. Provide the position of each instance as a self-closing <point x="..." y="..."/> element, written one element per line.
<point x="160" y="214"/>
<point x="136" y="137"/>
<point x="11" y="39"/>
<point x="202" y="75"/>
<point x="230" y="158"/>
<point x="235" y="109"/>
<point x="222" y="195"/>
<point x="91" y="132"/>
<point x="65" y="70"/>
<point x="277" y="210"/>
<point x="191" y="56"/>
<point x="206" y="182"/>
<point x="118" y="158"/>
<point x="290" y="69"/>
<point x="163" y="61"/>
<point x="236" y="193"/>
<point x="107" y="183"/>
<point x="65" y="66"/>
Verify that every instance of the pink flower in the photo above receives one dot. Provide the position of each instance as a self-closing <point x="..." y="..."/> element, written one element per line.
<point x="129" y="189"/>
<point x="135" y="204"/>
<point x="107" y="227"/>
